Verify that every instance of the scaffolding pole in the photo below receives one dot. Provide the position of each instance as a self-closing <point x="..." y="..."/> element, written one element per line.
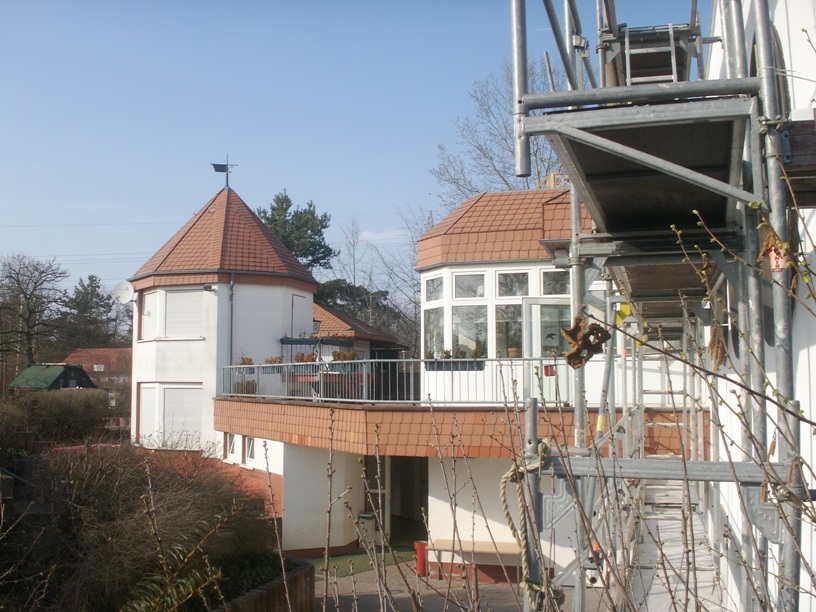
<point x="789" y="436"/>
<point x="531" y="457"/>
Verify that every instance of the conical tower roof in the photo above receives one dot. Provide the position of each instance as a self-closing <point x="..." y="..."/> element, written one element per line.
<point x="225" y="236"/>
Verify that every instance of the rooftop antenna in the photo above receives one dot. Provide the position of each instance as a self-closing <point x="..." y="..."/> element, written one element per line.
<point x="225" y="168"/>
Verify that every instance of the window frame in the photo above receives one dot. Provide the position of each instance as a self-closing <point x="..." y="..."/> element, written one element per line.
<point x="458" y="275"/>
<point x="434" y="351"/>
<point x="425" y="296"/>
<point x="546" y="271"/>
<point x="499" y="273"/>
<point x="485" y="321"/>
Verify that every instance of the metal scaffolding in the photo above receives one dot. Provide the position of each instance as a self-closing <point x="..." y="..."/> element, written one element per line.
<point x="672" y="172"/>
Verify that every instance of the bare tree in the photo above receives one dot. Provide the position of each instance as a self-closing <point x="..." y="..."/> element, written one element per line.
<point x="485" y="159"/>
<point x="29" y="297"/>
<point x="402" y="278"/>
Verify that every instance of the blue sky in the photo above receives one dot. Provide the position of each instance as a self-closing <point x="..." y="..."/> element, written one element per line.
<point x="112" y="111"/>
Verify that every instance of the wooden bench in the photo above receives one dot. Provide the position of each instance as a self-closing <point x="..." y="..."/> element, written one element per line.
<point x="493" y="562"/>
<point x="476" y="547"/>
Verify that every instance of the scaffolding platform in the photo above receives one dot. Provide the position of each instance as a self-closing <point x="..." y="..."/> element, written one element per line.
<point x="674" y="565"/>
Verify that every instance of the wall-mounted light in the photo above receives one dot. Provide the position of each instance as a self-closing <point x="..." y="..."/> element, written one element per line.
<point x="209" y="288"/>
<point x="315" y="327"/>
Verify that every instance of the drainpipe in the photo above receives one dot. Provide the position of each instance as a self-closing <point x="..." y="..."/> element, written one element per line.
<point x="231" y="313"/>
<point x="789" y="440"/>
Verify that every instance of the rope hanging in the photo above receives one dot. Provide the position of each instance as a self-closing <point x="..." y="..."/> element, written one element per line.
<point x="537" y="590"/>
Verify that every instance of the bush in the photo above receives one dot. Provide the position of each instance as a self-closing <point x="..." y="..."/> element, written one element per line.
<point x="243" y="572"/>
<point x="12" y="421"/>
<point x="96" y="547"/>
<point x="67" y="415"/>
<point x="245" y="387"/>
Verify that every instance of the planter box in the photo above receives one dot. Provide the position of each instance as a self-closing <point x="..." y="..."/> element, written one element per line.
<point x="245" y="387"/>
<point x="272" y="596"/>
<point x="455" y="365"/>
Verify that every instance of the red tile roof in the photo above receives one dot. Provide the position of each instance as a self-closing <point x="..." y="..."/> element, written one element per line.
<point x="499" y="226"/>
<point x="336" y="323"/>
<point x="112" y="360"/>
<point x="225" y="236"/>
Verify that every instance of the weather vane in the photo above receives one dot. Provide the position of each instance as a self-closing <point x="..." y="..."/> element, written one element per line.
<point x="225" y="168"/>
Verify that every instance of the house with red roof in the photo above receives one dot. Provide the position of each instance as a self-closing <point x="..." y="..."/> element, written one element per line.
<point x="231" y="355"/>
<point x="482" y="268"/>
<point x="108" y="368"/>
<point x="223" y="289"/>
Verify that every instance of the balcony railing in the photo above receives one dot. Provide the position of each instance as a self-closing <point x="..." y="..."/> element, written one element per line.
<point x="438" y="381"/>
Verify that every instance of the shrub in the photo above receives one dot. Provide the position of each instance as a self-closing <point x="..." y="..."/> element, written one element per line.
<point x="97" y="545"/>
<point x="67" y="415"/>
<point x="245" y="387"/>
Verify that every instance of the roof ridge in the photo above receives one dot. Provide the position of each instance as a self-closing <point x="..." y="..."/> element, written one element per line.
<point x="225" y="225"/>
<point x="185" y="230"/>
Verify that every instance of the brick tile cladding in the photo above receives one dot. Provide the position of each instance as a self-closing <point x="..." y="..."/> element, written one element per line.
<point x="410" y="431"/>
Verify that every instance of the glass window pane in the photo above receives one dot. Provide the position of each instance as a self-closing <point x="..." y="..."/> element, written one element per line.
<point x="433" y="289"/>
<point x="508" y="330"/>
<point x="433" y="327"/>
<point x="469" y="285"/>
<point x="553" y="318"/>
<point x="469" y="331"/>
<point x="513" y="283"/>
<point x="556" y="283"/>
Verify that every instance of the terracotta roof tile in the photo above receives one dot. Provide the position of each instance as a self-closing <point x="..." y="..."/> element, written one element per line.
<point x="336" y="323"/>
<point x="498" y="226"/>
<point x="225" y="236"/>
<point x="113" y="360"/>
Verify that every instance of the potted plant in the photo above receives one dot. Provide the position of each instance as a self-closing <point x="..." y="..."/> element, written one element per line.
<point x="458" y="362"/>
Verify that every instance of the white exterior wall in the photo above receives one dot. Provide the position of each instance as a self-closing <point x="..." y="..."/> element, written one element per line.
<point x="789" y="18"/>
<point x="804" y="369"/>
<point x="792" y="20"/>
<point x="261" y="316"/>
<point x="477" y="514"/>
<point x="272" y="459"/>
<point x="306" y="495"/>
<point x="169" y="363"/>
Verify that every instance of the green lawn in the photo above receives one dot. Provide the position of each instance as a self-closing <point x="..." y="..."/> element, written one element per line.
<point x="358" y="561"/>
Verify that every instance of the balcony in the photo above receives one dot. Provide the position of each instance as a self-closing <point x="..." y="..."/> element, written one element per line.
<point x="437" y="382"/>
